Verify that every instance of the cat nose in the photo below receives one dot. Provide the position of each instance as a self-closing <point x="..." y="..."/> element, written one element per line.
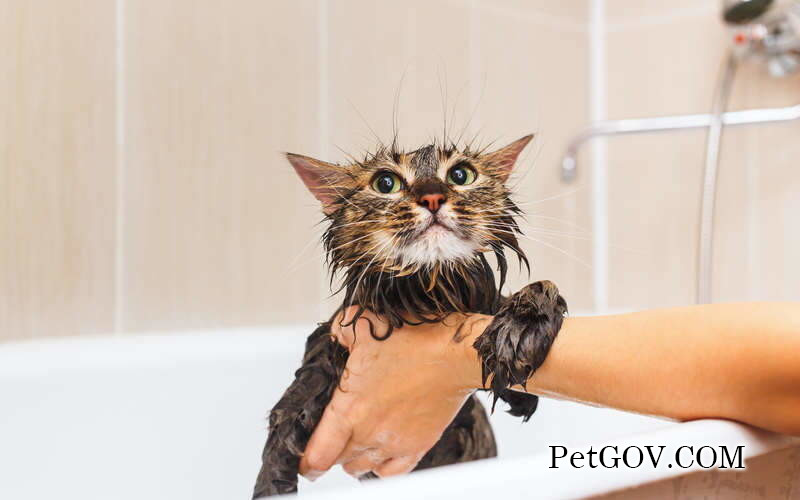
<point x="432" y="201"/>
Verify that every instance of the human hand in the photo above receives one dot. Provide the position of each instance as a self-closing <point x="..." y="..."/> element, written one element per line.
<point x="396" y="396"/>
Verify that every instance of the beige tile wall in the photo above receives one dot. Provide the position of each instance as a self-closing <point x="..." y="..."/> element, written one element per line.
<point x="214" y="217"/>
<point x="758" y="234"/>
<point x="213" y="228"/>
<point x="212" y="220"/>
<point x="56" y="168"/>
<point x="660" y="62"/>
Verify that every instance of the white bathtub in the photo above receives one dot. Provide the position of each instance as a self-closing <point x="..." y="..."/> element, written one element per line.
<point x="183" y="416"/>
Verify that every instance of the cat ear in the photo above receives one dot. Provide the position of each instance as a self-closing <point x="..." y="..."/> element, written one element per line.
<point x="502" y="161"/>
<point x="321" y="178"/>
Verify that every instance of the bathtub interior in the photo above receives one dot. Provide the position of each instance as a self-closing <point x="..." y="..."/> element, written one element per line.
<point x="183" y="416"/>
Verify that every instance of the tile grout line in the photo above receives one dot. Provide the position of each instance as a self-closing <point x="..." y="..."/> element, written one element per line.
<point x="474" y="66"/>
<point x="323" y="109"/>
<point x="598" y="96"/>
<point x="324" y="77"/>
<point x="119" y="133"/>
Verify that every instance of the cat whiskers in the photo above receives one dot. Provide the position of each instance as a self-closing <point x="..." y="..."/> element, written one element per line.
<point x="343" y="196"/>
<point x="298" y="259"/>
<point x="339" y="226"/>
<point x="382" y="272"/>
<point x="518" y="204"/>
<point x="378" y="252"/>
<point x="295" y="262"/>
<point x="501" y="215"/>
<point x="556" y="219"/>
<point x="549" y="245"/>
<point x="554" y="233"/>
<point x="554" y="197"/>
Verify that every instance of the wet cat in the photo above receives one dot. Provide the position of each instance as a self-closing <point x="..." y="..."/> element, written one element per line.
<point x="409" y="233"/>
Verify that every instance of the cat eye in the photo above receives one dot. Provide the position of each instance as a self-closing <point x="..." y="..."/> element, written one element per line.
<point x="461" y="175"/>
<point x="387" y="183"/>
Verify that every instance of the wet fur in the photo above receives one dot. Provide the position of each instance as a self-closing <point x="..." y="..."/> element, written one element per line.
<point x="517" y="341"/>
<point x="360" y="223"/>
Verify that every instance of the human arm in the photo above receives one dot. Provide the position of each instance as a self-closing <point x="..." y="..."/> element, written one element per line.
<point x="731" y="361"/>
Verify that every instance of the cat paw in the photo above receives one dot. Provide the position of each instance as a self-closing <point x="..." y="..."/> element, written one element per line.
<point x="519" y="337"/>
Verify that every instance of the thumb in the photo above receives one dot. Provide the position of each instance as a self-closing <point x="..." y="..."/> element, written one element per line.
<point x="326" y="444"/>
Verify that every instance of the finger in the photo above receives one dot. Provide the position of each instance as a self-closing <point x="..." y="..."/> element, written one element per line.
<point x="396" y="466"/>
<point x="329" y="439"/>
<point x="363" y="464"/>
<point x="368" y="325"/>
<point x="342" y="327"/>
<point x="351" y="452"/>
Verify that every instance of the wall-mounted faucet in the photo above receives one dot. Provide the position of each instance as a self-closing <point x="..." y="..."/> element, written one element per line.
<point x="765" y="30"/>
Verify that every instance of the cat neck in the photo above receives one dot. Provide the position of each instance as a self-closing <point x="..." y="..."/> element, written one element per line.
<point x="428" y="294"/>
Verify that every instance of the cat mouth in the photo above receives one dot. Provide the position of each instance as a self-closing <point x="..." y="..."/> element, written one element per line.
<point x="436" y="229"/>
<point x="435" y="225"/>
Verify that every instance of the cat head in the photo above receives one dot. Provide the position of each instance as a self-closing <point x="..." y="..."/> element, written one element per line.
<point x="402" y="212"/>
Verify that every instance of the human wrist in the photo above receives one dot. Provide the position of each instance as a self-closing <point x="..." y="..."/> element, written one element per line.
<point x="467" y="358"/>
<point x="518" y="339"/>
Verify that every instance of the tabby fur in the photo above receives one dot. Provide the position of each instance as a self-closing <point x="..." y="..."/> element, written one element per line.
<point x="401" y="259"/>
